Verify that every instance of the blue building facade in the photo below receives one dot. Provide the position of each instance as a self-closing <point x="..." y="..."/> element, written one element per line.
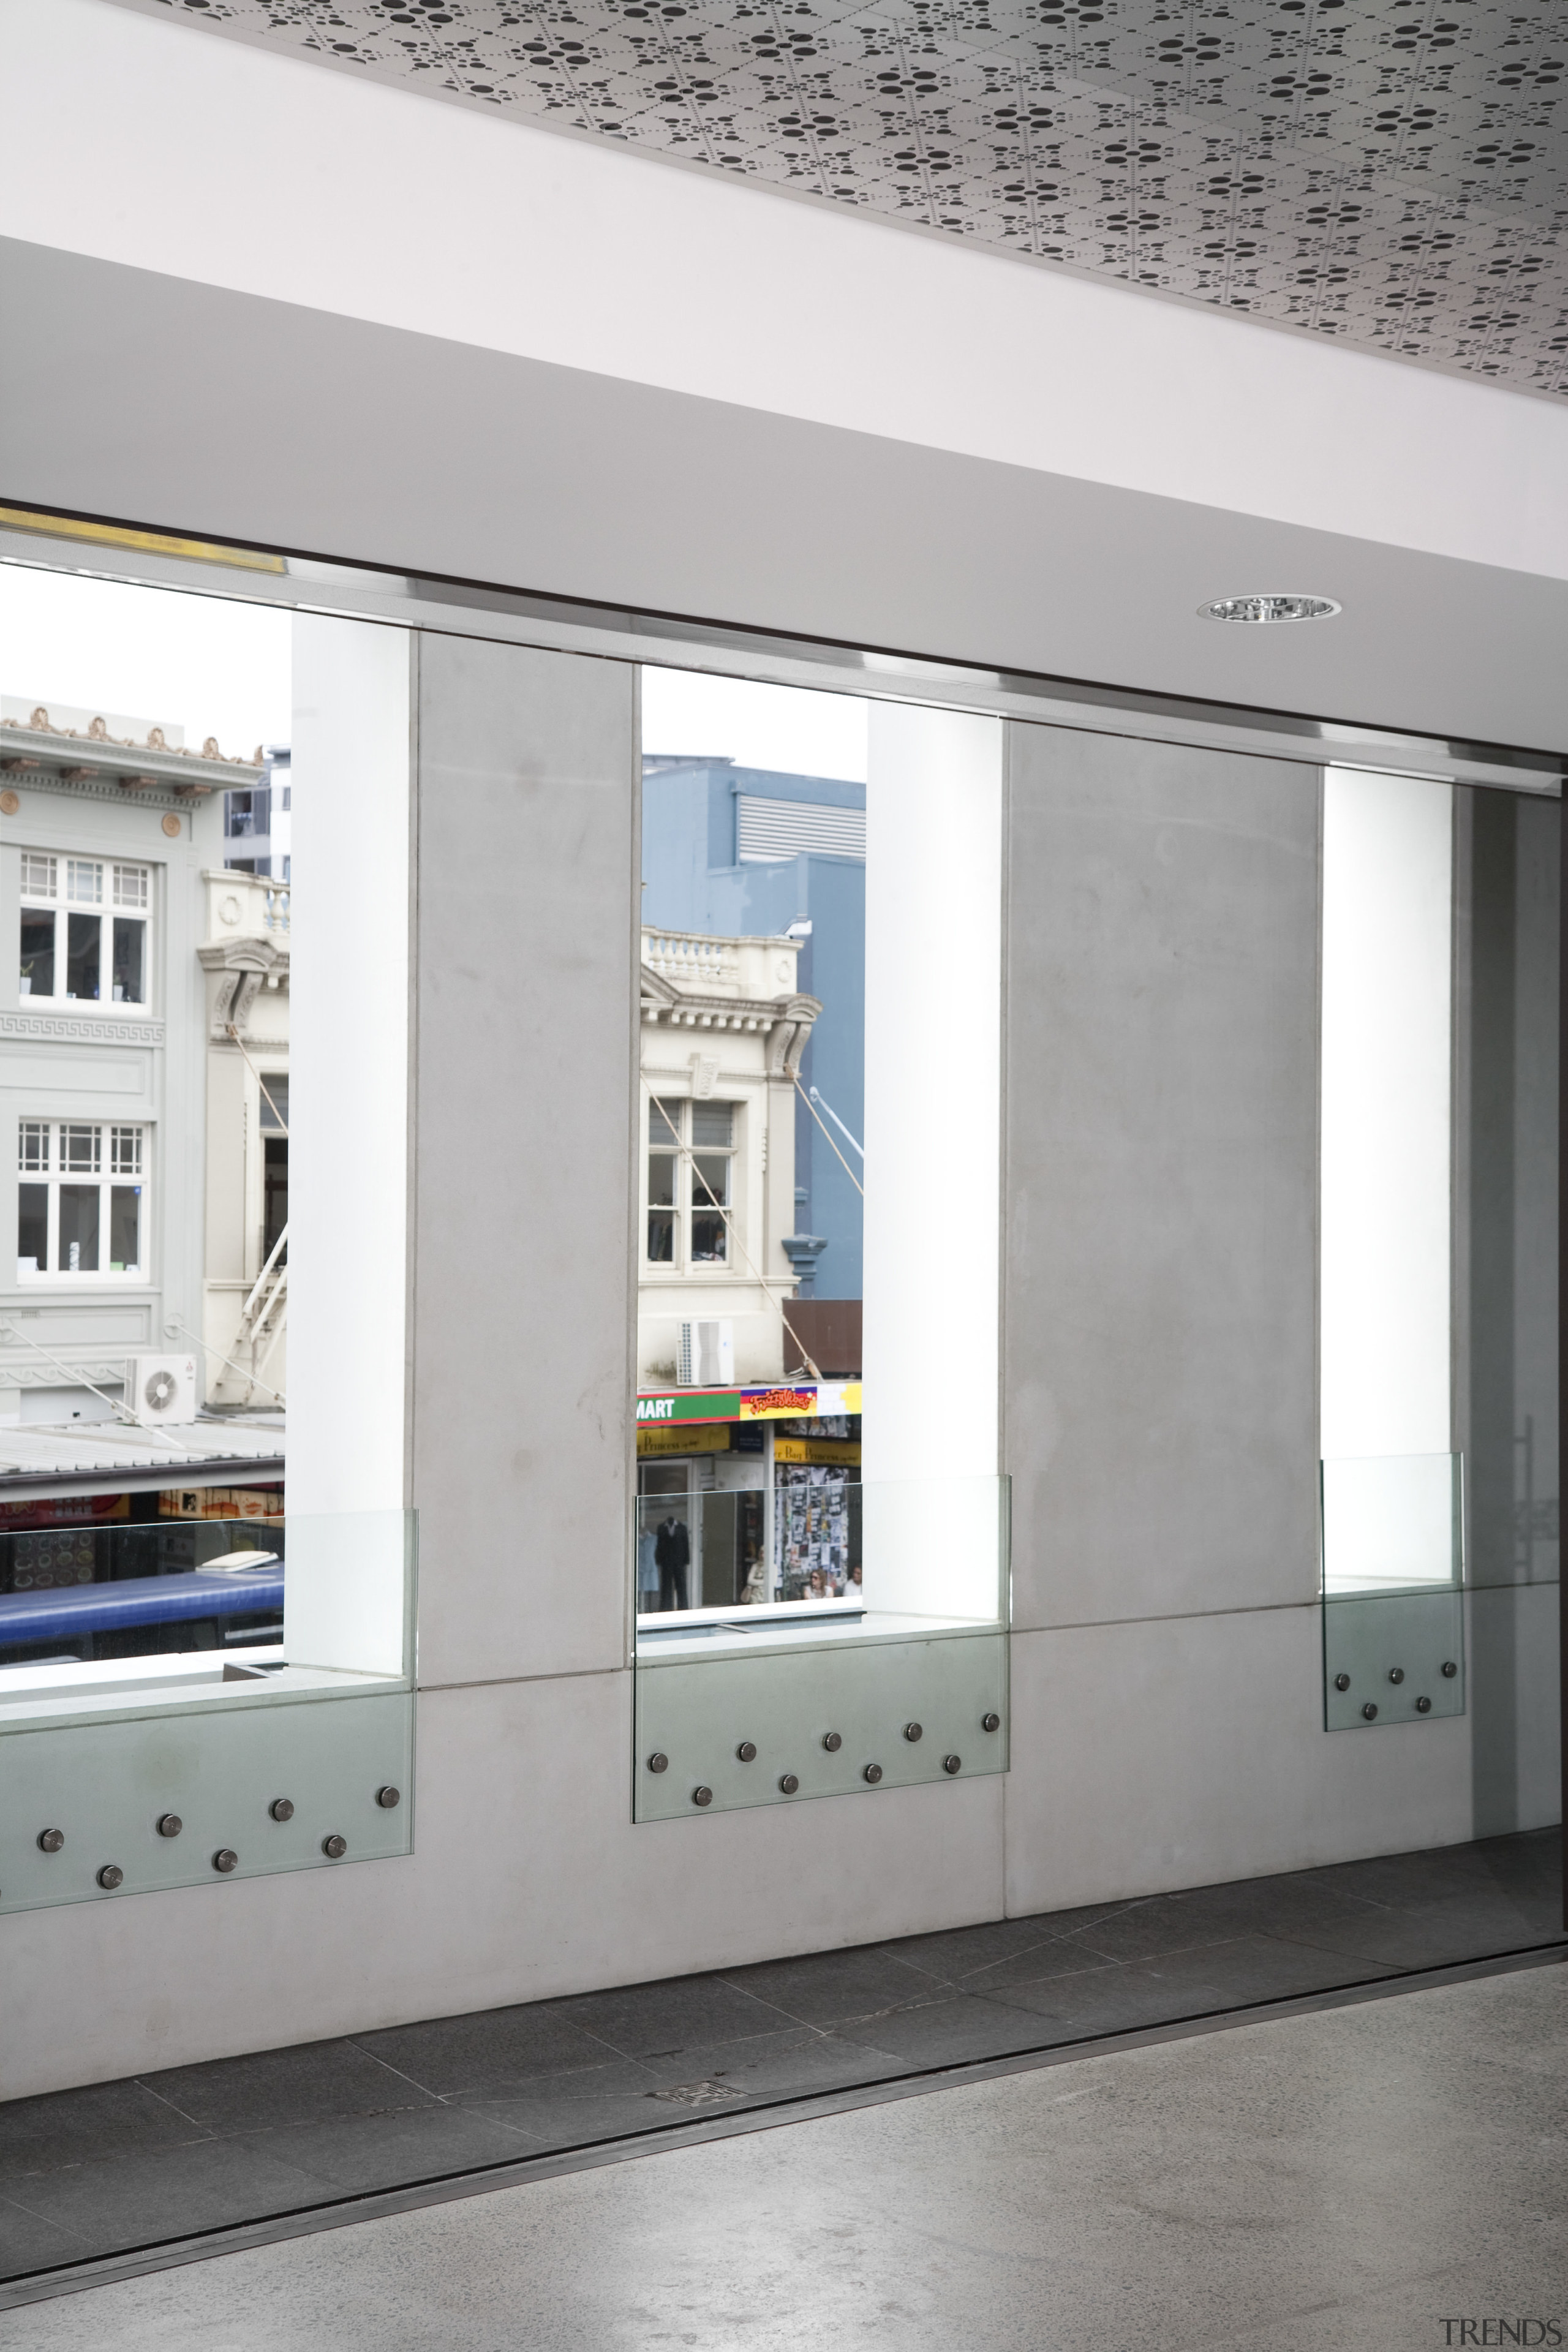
<point x="750" y="853"/>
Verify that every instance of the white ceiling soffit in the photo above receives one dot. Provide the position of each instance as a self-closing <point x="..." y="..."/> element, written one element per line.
<point x="322" y="315"/>
<point x="305" y="583"/>
<point x="350" y="196"/>
<point x="1389" y="173"/>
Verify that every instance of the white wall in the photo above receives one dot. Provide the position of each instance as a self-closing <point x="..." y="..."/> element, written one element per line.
<point x="524" y="241"/>
<point x="348" y="1206"/>
<point x="934" y="1141"/>
<point x="1387" y="1103"/>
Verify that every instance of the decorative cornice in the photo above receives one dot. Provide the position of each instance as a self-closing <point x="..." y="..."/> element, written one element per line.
<point x="159" y="795"/>
<point x="39" y="735"/>
<point x="15" y="1374"/>
<point x="43" y="758"/>
<point x="665" y="1007"/>
<point x="79" y="1030"/>
<point x="246" y="951"/>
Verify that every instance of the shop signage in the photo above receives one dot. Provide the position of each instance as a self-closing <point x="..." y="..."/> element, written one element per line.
<point x="712" y="1437"/>
<point x="777" y="1404"/>
<point x="844" y="1450"/>
<point x="791" y="1404"/>
<point x="690" y="1404"/>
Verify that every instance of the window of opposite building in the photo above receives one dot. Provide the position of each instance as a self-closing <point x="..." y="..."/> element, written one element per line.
<point x="692" y="1183"/>
<point x="83" y="931"/>
<point x="80" y="1199"/>
<point x="273" y="1090"/>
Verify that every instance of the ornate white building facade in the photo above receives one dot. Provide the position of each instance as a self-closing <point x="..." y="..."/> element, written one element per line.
<point x="723" y="1026"/>
<point x="118" y="1124"/>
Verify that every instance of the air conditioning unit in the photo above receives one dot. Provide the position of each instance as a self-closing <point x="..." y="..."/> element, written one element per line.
<point x="162" y="1388"/>
<point x="707" y="1354"/>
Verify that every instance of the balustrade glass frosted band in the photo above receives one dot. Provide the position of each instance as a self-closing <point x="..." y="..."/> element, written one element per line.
<point x="1391" y="1520"/>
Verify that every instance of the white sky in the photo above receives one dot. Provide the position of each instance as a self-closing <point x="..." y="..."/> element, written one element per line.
<point x="196" y="662"/>
<point x="785" y="727"/>
<point x="219" y="668"/>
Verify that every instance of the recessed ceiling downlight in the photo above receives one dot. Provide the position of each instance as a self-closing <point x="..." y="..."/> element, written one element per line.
<point x="1270" y="608"/>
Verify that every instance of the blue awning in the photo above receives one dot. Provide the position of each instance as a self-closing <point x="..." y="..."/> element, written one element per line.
<point x="79" y="1609"/>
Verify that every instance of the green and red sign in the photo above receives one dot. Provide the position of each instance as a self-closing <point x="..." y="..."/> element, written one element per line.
<point x="787" y="1402"/>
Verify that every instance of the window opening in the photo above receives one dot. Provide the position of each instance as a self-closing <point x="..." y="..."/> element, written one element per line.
<point x="77" y="1212"/>
<point x="89" y="874"/>
<point x="72" y="957"/>
<point x="752" y="977"/>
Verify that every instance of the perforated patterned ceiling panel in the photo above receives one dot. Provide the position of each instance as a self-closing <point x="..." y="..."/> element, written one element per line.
<point x="1393" y="174"/>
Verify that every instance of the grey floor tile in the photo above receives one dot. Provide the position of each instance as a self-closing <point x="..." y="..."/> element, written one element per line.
<point x="1188" y="1983"/>
<point x="28" y="2242"/>
<point x="576" y="2109"/>
<point x="1437" y="1935"/>
<point x="830" y="1985"/>
<point x="780" y="2065"/>
<point x="1082" y="1920"/>
<point x="1537" y="1870"/>
<point x="1543" y="1847"/>
<point x="314" y="2080"/>
<point x="485" y="2050"/>
<point x="1208" y="1914"/>
<point x="1039" y="1961"/>
<point x="355" y="2155"/>
<point x="138" y="2200"/>
<point x="956" y="1954"/>
<point x="103" y="2119"/>
<point x="952" y="2032"/>
<point x="660" y="2020"/>
<point x="1113" y="2001"/>
<point x="1247" y="1968"/>
<point x="1400" y="1880"/>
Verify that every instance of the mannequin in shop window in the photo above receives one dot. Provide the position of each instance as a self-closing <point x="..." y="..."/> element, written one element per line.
<point x="671" y="1553"/>
<point x="648" y="1571"/>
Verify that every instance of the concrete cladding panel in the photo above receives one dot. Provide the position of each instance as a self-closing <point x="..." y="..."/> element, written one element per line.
<point x="1192" y="1752"/>
<point x="1160" y="1179"/>
<point x="526" y="1003"/>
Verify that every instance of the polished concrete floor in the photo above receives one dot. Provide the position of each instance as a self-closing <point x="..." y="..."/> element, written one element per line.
<point x="1363" y="2177"/>
<point x="93" y="2172"/>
